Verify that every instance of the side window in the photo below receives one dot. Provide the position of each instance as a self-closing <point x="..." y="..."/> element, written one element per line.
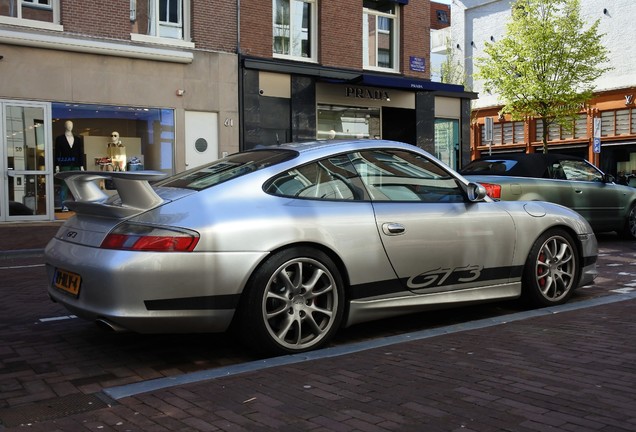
<point x="555" y="171"/>
<point x="581" y="171"/>
<point x="329" y="179"/>
<point x="391" y="175"/>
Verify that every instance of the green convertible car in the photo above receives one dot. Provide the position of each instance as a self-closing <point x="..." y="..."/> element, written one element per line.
<point x="567" y="180"/>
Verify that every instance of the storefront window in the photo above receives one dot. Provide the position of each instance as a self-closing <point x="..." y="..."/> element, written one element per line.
<point x="119" y="137"/>
<point x="341" y="122"/>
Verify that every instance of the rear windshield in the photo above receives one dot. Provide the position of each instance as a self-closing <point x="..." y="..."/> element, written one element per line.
<point x="489" y="167"/>
<point x="228" y="168"/>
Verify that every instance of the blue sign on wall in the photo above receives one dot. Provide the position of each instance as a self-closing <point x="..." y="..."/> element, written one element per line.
<point x="417" y="64"/>
<point x="596" y="145"/>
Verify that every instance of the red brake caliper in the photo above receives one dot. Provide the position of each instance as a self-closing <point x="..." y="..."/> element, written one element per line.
<point x="540" y="271"/>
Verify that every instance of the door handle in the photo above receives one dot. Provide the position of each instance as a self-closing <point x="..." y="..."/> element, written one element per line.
<point x="393" y="228"/>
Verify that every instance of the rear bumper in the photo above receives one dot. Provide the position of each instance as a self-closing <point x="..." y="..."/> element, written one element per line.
<point x="150" y="292"/>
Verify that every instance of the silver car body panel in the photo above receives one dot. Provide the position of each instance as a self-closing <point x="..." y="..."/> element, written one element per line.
<point x="394" y="257"/>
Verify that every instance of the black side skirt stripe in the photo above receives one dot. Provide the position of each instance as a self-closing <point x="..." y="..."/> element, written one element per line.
<point x="195" y="303"/>
<point x="374" y="289"/>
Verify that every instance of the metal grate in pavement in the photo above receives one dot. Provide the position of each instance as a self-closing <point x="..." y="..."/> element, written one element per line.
<point x="51" y="409"/>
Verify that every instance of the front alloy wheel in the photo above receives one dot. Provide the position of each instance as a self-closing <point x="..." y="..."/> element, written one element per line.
<point x="552" y="269"/>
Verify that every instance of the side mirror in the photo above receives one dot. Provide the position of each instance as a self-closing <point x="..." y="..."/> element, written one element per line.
<point x="608" y="178"/>
<point x="476" y="192"/>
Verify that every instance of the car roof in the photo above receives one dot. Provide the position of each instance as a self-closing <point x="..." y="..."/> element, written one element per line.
<point x="528" y="164"/>
<point x="320" y="148"/>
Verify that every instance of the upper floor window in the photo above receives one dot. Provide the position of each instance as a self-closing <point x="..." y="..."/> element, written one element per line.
<point x="618" y="122"/>
<point x="294" y="28"/>
<point x="379" y="35"/>
<point x="31" y="13"/>
<point x="167" y="19"/>
<point x="505" y="133"/>
<point x="42" y="3"/>
<point x="442" y="16"/>
<point x="556" y="132"/>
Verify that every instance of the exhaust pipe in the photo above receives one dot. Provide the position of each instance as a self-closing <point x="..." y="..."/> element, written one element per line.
<point x="108" y="325"/>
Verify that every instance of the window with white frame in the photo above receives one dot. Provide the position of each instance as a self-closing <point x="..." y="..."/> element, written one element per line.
<point x="294" y="28"/>
<point x="31" y="13"/>
<point x="379" y="35"/>
<point x="166" y="18"/>
<point x="39" y="3"/>
<point x="558" y="132"/>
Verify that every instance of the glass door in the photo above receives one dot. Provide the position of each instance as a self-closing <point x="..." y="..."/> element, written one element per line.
<point x="447" y="141"/>
<point x="25" y="153"/>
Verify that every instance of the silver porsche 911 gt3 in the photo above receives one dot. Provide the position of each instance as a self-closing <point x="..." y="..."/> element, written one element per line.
<point x="287" y="244"/>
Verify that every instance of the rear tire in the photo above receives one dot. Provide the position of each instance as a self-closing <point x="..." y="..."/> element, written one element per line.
<point x="629" y="231"/>
<point x="294" y="303"/>
<point x="552" y="269"/>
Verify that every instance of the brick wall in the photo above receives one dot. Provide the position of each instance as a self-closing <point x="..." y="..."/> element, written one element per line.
<point x="435" y="23"/>
<point x="110" y="19"/>
<point x="340" y="40"/>
<point x="256" y="28"/>
<point x="213" y="22"/>
<point x="415" y="36"/>
<point x="340" y="33"/>
<point x="214" y="25"/>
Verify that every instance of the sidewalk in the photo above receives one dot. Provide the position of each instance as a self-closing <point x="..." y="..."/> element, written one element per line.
<point x="26" y="236"/>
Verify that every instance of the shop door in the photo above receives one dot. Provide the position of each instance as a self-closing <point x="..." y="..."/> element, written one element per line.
<point x="25" y="152"/>
<point x="201" y="135"/>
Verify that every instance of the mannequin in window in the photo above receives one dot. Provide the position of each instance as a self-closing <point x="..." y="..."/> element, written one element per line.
<point x="117" y="152"/>
<point x="68" y="155"/>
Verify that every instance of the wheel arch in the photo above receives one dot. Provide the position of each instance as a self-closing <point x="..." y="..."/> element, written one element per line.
<point x="337" y="260"/>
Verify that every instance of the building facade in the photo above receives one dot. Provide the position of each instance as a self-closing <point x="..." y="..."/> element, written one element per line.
<point x="170" y="84"/>
<point x="160" y="75"/>
<point x="320" y="69"/>
<point x="605" y="130"/>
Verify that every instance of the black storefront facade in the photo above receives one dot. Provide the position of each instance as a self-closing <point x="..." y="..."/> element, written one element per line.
<point x="286" y="101"/>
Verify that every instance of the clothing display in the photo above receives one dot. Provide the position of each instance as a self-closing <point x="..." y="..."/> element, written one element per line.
<point x="66" y="155"/>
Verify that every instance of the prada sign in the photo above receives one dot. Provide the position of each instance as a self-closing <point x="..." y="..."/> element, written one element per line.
<point x="365" y="93"/>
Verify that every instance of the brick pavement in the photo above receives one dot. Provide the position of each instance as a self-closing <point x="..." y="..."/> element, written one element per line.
<point x="569" y="371"/>
<point x="26" y="236"/>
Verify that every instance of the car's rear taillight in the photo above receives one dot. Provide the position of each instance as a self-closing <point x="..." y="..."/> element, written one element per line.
<point x="150" y="238"/>
<point x="492" y="190"/>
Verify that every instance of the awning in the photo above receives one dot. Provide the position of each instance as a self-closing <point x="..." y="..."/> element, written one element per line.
<point x="408" y="83"/>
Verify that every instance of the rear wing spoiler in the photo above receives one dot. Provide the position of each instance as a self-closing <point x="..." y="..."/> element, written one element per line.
<point x="135" y="193"/>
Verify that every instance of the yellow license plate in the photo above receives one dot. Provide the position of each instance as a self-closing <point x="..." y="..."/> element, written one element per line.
<point x="67" y="281"/>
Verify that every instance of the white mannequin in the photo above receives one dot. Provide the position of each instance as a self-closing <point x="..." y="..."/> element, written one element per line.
<point x="68" y="132"/>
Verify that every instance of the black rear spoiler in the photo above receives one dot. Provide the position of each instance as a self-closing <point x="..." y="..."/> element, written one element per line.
<point x="135" y="193"/>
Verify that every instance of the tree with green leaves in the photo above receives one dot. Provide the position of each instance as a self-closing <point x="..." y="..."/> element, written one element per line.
<point x="451" y="69"/>
<point x="546" y="64"/>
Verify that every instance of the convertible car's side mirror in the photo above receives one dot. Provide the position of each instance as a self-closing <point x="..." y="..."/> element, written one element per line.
<point x="476" y="192"/>
<point x="608" y="178"/>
